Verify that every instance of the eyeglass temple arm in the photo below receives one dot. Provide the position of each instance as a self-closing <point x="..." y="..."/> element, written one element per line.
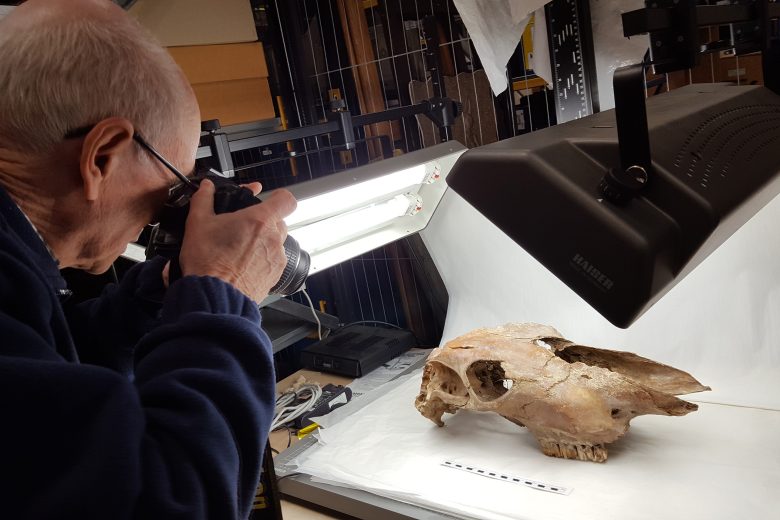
<point x="183" y="178"/>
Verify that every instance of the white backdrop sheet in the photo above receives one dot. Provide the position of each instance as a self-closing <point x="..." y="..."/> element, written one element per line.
<point x="721" y="323"/>
<point x="718" y="463"/>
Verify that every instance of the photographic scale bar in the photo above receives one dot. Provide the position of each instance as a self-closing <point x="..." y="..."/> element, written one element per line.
<point x="527" y="482"/>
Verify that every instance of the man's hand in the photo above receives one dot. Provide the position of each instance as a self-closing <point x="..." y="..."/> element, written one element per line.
<point x="244" y="248"/>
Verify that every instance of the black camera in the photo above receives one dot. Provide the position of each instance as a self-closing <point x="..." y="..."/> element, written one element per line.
<point x="166" y="238"/>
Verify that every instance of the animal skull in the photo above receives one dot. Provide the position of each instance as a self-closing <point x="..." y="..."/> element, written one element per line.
<point x="574" y="399"/>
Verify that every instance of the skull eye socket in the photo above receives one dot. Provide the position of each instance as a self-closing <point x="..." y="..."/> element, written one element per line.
<point x="488" y="379"/>
<point x="447" y="380"/>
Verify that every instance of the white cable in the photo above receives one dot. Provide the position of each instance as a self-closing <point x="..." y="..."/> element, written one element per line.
<point x="314" y="313"/>
<point x="286" y="408"/>
<point x="289" y="413"/>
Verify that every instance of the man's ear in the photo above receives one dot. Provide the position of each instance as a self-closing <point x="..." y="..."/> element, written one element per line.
<point x="104" y="146"/>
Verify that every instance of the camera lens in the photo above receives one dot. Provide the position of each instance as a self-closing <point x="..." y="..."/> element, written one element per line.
<point x="295" y="271"/>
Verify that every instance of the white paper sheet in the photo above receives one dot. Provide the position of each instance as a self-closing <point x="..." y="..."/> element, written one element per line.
<point x="386" y="372"/>
<point x="717" y="463"/>
<point x="496" y="27"/>
<point x="344" y="412"/>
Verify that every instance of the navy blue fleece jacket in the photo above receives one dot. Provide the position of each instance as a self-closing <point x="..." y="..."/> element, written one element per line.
<point x="143" y="403"/>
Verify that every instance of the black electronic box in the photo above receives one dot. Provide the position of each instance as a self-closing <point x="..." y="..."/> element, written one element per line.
<point x="356" y="350"/>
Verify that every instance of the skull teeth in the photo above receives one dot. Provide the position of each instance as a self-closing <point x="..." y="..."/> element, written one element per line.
<point x="593" y="453"/>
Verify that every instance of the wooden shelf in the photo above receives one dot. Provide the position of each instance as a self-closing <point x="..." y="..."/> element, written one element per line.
<point x="530" y="82"/>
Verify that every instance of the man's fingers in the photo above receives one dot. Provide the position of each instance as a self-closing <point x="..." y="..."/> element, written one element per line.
<point x="166" y="272"/>
<point x="254" y="187"/>
<point x="202" y="202"/>
<point x="277" y="206"/>
<point x="281" y="203"/>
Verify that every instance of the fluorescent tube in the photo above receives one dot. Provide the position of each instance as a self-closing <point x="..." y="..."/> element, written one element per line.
<point x="355" y="195"/>
<point x="329" y="232"/>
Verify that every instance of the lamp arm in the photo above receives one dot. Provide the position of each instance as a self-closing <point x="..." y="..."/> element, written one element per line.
<point x="623" y="183"/>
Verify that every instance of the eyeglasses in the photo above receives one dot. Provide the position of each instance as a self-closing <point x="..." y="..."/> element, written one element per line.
<point x="183" y="178"/>
<point x="84" y="130"/>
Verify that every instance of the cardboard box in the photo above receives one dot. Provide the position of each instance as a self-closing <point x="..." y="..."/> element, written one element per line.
<point x="196" y="22"/>
<point x="237" y="101"/>
<point x="207" y="63"/>
<point x="230" y="81"/>
<point x="747" y="70"/>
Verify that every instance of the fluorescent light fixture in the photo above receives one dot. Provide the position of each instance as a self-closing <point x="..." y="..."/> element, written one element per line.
<point x="348" y="213"/>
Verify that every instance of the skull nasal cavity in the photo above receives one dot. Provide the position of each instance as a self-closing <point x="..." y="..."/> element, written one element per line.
<point x="488" y="379"/>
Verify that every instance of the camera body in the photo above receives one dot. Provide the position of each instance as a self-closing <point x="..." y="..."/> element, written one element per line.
<point x="167" y="236"/>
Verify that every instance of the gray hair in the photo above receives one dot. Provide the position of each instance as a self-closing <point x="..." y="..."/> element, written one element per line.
<point x="63" y="75"/>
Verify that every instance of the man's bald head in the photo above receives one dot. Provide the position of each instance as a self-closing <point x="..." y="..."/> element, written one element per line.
<point x="67" y="64"/>
<point x="35" y="11"/>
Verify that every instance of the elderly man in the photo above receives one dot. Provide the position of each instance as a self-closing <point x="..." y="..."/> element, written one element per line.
<point x="151" y="401"/>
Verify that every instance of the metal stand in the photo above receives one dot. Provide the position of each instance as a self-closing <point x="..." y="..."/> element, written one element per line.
<point x="217" y="148"/>
<point x="673" y="26"/>
<point x="437" y="109"/>
<point x="674" y="33"/>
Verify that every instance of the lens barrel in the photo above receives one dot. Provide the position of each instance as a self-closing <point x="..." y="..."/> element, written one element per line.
<point x="295" y="271"/>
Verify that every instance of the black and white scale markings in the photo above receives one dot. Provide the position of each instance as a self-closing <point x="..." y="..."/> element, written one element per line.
<point x="512" y="479"/>
<point x="573" y="100"/>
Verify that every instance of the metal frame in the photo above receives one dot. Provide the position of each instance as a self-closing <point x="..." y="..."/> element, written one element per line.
<point x="286" y="322"/>
<point x="440" y="109"/>
<point x="673" y="26"/>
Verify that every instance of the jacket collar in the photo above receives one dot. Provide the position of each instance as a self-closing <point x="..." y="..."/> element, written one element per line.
<point x="21" y="226"/>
